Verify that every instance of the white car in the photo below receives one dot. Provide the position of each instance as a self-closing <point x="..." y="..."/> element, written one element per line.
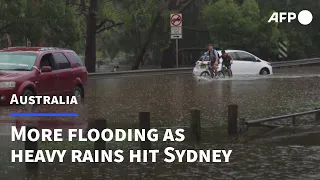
<point x="244" y="63"/>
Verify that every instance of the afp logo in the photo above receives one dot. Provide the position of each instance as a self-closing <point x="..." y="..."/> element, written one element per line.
<point x="304" y="17"/>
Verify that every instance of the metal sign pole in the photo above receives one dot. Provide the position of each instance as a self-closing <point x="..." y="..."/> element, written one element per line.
<point x="177" y="53"/>
<point x="176" y="32"/>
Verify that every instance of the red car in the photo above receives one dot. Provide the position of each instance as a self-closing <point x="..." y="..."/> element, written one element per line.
<point x="29" y="71"/>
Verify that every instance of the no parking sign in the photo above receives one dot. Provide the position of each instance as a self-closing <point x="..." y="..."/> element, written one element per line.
<point x="176" y="20"/>
<point x="176" y="26"/>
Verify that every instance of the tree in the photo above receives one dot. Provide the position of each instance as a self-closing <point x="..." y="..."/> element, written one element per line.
<point x="167" y="54"/>
<point x="304" y="41"/>
<point x="241" y="26"/>
<point x="156" y="20"/>
<point x="11" y="15"/>
<point x="9" y="11"/>
<point x="53" y="22"/>
<point x="39" y="20"/>
<point x="138" y="16"/>
<point x="96" y="21"/>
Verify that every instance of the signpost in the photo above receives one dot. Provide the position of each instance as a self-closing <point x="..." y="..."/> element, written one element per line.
<point x="176" y="32"/>
<point x="283" y="50"/>
<point x="28" y="43"/>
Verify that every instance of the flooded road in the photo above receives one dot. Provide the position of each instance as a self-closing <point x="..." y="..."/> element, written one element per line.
<point x="169" y="99"/>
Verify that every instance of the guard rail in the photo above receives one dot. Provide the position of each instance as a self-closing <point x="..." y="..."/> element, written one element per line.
<point x="295" y="62"/>
<point x="293" y="116"/>
<point x="186" y="70"/>
<point x="145" y="71"/>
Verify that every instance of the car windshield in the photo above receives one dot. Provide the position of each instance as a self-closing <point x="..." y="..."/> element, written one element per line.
<point x="17" y="61"/>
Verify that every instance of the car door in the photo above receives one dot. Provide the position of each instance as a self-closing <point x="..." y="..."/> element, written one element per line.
<point x="65" y="73"/>
<point x="80" y="71"/>
<point x="235" y="67"/>
<point x="47" y="82"/>
<point x="248" y="63"/>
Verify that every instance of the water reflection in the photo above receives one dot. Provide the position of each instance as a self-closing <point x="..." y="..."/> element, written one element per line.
<point x="169" y="98"/>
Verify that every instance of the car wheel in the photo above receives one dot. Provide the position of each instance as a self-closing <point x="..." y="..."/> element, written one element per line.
<point x="264" y="71"/>
<point x="28" y="93"/>
<point x="205" y="74"/>
<point x="77" y="92"/>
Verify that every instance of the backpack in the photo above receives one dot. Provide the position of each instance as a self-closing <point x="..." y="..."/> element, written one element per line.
<point x="213" y="58"/>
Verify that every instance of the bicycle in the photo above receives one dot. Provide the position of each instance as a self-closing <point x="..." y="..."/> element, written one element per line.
<point x="208" y="71"/>
<point x="223" y="72"/>
<point x="220" y="74"/>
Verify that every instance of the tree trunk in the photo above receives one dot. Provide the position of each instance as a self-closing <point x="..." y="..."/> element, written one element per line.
<point x="155" y="22"/>
<point x="90" y="51"/>
<point x="168" y="56"/>
<point x="143" y="50"/>
<point x="9" y="43"/>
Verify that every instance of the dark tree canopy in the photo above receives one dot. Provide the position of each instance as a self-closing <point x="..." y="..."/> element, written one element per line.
<point x="137" y="32"/>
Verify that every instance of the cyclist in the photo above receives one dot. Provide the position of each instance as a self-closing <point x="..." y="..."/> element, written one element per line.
<point x="213" y="58"/>
<point x="227" y="61"/>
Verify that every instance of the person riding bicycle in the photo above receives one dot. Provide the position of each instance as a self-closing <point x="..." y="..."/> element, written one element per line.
<point x="213" y="58"/>
<point x="227" y="61"/>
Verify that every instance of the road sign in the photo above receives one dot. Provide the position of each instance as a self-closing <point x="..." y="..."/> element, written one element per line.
<point x="177" y="36"/>
<point x="176" y="20"/>
<point x="176" y="30"/>
<point x="283" y="49"/>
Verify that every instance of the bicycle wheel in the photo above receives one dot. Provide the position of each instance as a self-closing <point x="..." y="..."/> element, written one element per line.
<point x="205" y="74"/>
<point x="221" y="74"/>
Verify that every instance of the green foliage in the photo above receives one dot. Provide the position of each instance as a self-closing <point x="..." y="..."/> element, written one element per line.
<point x="11" y="16"/>
<point x="10" y="10"/>
<point x="221" y="19"/>
<point x="138" y="17"/>
<point x="240" y="26"/>
<point x="231" y="24"/>
<point x="51" y="21"/>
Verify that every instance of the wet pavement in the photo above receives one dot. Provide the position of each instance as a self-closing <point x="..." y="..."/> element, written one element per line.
<point x="169" y="99"/>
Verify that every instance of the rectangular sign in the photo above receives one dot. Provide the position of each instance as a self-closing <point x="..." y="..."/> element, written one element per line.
<point x="176" y="20"/>
<point x="176" y="30"/>
<point x="176" y="36"/>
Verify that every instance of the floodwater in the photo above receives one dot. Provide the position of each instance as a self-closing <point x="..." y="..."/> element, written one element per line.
<point x="169" y="99"/>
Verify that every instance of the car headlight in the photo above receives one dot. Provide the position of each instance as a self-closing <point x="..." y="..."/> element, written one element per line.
<point x="9" y="84"/>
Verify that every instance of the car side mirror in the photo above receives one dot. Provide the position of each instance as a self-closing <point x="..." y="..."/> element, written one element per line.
<point x="46" y="69"/>
<point x="258" y="60"/>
